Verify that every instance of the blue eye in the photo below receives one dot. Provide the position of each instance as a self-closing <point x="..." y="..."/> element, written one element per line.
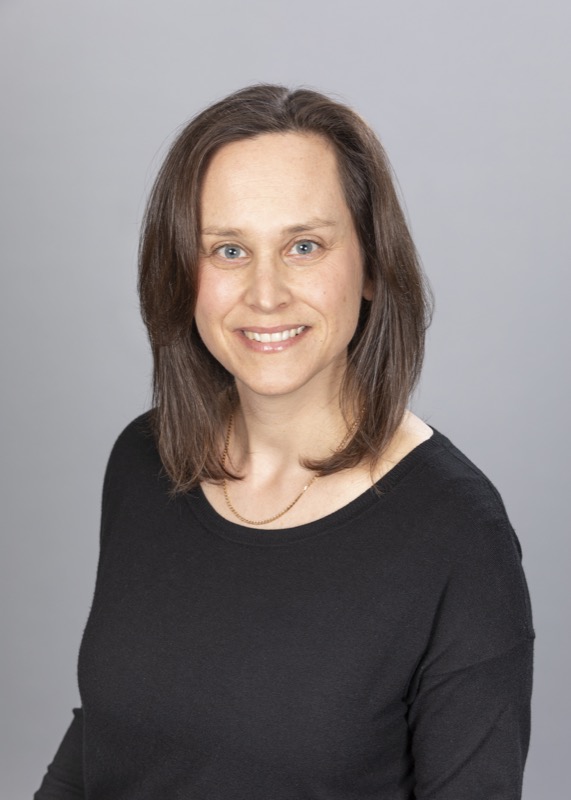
<point x="230" y="251"/>
<point x="305" y="248"/>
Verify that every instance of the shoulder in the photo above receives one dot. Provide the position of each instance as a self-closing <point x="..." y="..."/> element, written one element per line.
<point x="469" y="547"/>
<point x="461" y="503"/>
<point x="135" y="483"/>
<point x="138" y="433"/>
<point x="458" y="513"/>
<point x="134" y="455"/>
<point x="459" y="488"/>
<point x="439" y="484"/>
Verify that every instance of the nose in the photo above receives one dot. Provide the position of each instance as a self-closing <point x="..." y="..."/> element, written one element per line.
<point x="267" y="287"/>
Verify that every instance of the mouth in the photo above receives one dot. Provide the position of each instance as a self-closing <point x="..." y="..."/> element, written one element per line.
<point x="274" y="336"/>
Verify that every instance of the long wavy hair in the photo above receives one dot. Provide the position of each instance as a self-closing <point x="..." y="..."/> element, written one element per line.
<point x="193" y="394"/>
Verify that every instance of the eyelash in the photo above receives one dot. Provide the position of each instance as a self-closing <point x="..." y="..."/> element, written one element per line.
<point x="317" y="246"/>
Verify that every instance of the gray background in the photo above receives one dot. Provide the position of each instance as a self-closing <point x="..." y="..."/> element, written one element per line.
<point x="471" y="101"/>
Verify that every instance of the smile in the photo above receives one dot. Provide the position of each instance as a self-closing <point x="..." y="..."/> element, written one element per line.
<point x="278" y="336"/>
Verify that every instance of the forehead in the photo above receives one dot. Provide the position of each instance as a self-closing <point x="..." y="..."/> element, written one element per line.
<point x="274" y="173"/>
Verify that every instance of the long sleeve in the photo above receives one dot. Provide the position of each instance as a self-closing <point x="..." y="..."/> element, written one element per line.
<point x="469" y="712"/>
<point x="471" y="729"/>
<point x="64" y="777"/>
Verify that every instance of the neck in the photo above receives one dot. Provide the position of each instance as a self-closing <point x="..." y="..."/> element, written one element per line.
<point x="275" y="433"/>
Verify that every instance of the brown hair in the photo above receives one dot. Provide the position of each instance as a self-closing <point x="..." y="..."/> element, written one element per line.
<point x="193" y="394"/>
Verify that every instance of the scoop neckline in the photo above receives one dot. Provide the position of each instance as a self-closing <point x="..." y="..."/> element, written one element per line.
<point x="278" y="537"/>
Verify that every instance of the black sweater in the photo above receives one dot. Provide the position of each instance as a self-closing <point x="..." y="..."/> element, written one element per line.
<point x="383" y="652"/>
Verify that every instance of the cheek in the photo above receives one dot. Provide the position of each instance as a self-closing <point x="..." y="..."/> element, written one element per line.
<point x="213" y="298"/>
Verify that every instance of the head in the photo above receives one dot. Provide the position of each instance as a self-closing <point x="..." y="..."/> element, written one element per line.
<point x="192" y="389"/>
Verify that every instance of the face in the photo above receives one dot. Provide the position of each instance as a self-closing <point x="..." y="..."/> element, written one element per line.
<point x="281" y="276"/>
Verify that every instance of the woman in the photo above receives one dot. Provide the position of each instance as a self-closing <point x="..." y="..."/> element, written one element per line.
<point x="304" y="591"/>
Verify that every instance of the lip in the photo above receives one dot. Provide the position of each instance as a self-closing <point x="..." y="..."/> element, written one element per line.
<point x="271" y="347"/>
<point x="275" y="329"/>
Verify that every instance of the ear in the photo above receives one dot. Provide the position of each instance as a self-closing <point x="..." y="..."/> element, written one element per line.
<point x="368" y="289"/>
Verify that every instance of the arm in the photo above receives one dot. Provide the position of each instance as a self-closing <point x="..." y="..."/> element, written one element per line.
<point x="469" y="700"/>
<point x="64" y="777"/>
<point x="470" y="729"/>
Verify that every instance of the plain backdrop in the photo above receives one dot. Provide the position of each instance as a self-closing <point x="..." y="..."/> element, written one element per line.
<point x="471" y="100"/>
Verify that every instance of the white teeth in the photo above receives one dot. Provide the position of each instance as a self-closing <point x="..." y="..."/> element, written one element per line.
<point x="273" y="337"/>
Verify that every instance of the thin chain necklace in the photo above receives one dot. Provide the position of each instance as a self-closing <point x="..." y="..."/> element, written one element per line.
<point x="291" y="505"/>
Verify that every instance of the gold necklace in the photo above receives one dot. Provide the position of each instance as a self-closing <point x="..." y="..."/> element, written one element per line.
<point x="291" y="505"/>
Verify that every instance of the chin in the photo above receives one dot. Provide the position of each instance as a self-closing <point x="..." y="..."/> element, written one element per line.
<point x="270" y="388"/>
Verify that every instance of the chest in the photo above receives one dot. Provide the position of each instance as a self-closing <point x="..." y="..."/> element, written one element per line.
<point x="299" y="655"/>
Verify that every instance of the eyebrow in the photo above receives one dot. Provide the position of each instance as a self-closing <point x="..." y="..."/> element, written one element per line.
<point x="304" y="227"/>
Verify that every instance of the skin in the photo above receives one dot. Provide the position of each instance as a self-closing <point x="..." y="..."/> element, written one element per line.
<point x="280" y="253"/>
<point x="260" y="272"/>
